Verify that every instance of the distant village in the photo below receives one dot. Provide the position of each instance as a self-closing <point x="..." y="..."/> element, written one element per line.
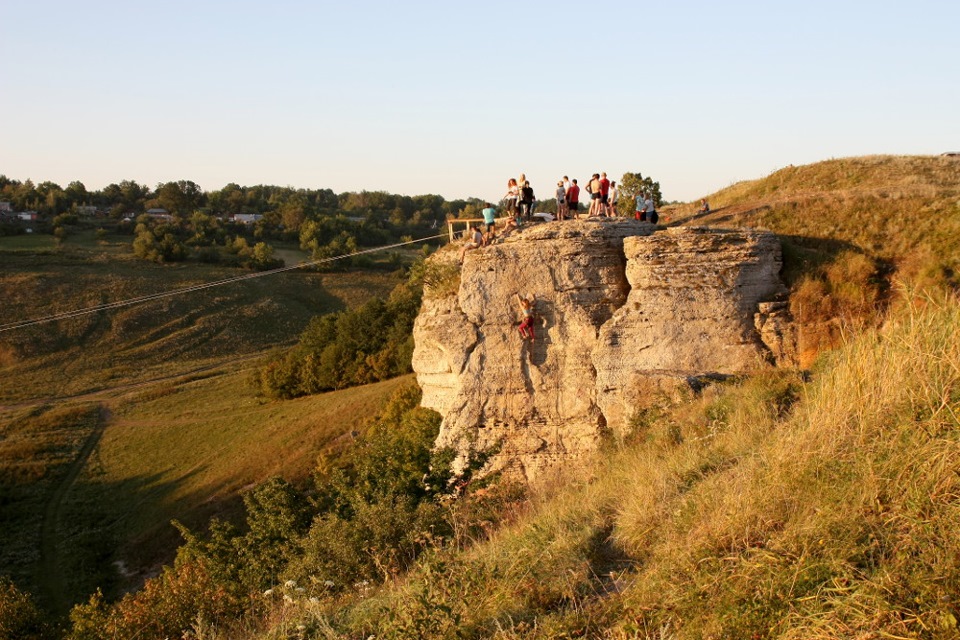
<point x="8" y="215"/>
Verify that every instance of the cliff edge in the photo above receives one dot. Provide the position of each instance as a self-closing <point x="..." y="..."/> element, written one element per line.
<point x="623" y="312"/>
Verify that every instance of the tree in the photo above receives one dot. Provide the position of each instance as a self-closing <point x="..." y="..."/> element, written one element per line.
<point x="160" y="243"/>
<point x="633" y="184"/>
<point x="182" y="197"/>
<point x="24" y="196"/>
<point x="126" y="197"/>
<point x="262" y="258"/>
<point x="76" y="194"/>
<point x="206" y="229"/>
<point x="293" y="213"/>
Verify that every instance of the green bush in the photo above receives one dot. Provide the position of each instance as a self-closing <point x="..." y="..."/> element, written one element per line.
<point x="382" y="506"/>
<point x="371" y="343"/>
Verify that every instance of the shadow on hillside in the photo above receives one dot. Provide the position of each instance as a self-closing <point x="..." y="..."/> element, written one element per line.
<point x="807" y="255"/>
<point x="608" y="563"/>
<point x="802" y="255"/>
<point x="115" y="535"/>
<point x="695" y="217"/>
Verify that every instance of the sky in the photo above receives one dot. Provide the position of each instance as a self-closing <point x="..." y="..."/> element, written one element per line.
<point x="453" y="98"/>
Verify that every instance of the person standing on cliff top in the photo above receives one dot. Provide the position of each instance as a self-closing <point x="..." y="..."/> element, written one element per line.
<point x="614" y="196"/>
<point x="593" y="188"/>
<point x="649" y="209"/>
<point x="512" y="197"/>
<point x="566" y="187"/>
<point x="489" y="219"/>
<point x="561" y="200"/>
<point x="573" y="199"/>
<point x="604" y="195"/>
<point x="526" y="200"/>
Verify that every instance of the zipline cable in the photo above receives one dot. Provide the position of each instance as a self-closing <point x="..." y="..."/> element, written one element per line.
<point x="10" y="326"/>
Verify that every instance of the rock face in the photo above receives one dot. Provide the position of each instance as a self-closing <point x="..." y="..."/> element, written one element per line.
<point x="621" y="312"/>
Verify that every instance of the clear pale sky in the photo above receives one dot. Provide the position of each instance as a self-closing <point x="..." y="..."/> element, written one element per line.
<point x="453" y="98"/>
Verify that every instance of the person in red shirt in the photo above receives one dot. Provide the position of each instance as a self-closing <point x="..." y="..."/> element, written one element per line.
<point x="604" y="195"/>
<point x="573" y="198"/>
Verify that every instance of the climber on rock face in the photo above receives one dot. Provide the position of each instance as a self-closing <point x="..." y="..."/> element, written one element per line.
<point x="526" y="325"/>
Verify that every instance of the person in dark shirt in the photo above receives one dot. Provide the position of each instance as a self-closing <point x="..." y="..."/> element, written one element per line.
<point x="526" y="200"/>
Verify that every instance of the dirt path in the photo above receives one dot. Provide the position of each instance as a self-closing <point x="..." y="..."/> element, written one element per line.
<point x="50" y="575"/>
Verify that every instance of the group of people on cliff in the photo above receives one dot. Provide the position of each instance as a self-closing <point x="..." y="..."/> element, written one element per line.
<point x="519" y="201"/>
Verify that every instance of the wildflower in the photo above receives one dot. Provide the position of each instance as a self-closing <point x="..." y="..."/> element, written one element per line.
<point x="300" y="590"/>
<point x="287" y="598"/>
<point x="301" y="627"/>
<point x="290" y="584"/>
<point x="268" y="592"/>
<point x="328" y="584"/>
<point x="314" y="600"/>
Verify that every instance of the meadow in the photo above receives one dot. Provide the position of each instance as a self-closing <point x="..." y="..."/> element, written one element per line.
<point x="115" y="423"/>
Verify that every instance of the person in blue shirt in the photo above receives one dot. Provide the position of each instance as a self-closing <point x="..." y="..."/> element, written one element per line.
<point x="490" y="219"/>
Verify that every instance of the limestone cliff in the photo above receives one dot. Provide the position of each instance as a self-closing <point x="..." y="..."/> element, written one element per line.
<point x="622" y="312"/>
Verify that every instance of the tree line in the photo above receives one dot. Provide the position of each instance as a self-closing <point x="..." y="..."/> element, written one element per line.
<point x="285" y="208"/>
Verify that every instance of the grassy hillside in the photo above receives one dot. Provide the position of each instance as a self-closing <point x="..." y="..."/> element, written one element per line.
<point x="902" y="210"/>
<point x="822" y="503"/>
<point x="851" y="230"/>
<point x="817" y="504"/>
<point x="113" y="424"/>
<point x="152" y="340"/>
<point x="771" y="508"/>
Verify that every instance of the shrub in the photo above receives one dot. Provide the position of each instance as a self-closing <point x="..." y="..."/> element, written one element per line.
<point x="171" y="605"/>
<point x="371" y="343"/>
<point x="381" y="506"/>
<point x="20" y="618"/>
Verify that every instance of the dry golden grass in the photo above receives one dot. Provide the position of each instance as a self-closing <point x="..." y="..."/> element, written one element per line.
<point x="771" y="508"/>
<point x="850" y="228"/>
<point x="885" y="206"/>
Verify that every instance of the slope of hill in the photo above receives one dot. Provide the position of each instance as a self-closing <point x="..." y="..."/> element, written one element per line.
<point x="151" y="340"/>
<point x="903" y="210"/>
<point x="114" y="423"/>
<point x="774" y="508"/>
<point x="794" y="504"/>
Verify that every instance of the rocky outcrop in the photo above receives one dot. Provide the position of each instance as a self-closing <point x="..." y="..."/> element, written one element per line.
<point x="622" y="312"/>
